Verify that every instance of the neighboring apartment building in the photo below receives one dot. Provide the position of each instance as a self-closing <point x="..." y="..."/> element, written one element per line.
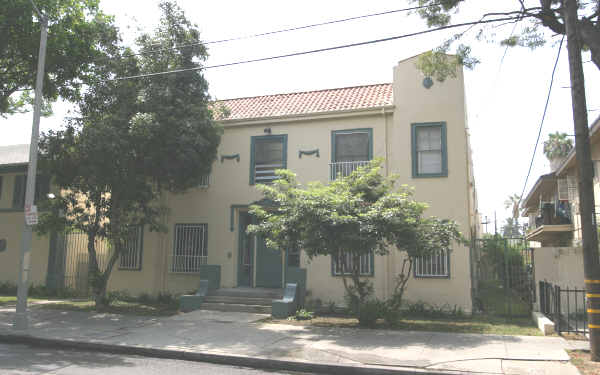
<point x="13" y="178"/>
<point x="552" y="206"/>
<point x="418" y="129"/>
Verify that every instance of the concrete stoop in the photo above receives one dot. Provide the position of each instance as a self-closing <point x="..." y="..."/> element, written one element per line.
<point x="251" y="300"/>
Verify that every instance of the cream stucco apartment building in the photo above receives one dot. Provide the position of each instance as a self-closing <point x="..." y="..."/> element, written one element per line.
<point x="552" y="207"/>
<point x="418" y="129"/>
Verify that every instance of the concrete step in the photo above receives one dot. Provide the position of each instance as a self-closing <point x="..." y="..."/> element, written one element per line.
<point x="235" y="307"/>
<point x="239" y="300"/>
<point x="248" y="292"/>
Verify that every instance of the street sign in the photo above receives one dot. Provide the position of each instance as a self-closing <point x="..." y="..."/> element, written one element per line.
<point x="31" y="215"/>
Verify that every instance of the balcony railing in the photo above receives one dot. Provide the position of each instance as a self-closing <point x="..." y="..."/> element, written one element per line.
<point x="344" y="168"/>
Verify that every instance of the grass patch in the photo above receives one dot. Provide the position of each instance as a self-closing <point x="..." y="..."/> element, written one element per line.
<point x="495" y="299"/>
<point x="581" y="360"/>
<point x="12" y="300"/>
<point x="475" y="324"/>
<point x="116" y="307"/>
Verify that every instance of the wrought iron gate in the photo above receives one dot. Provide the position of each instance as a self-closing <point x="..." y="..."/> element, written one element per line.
<point x="69" y="263"/>
<point x="502" y="275"/>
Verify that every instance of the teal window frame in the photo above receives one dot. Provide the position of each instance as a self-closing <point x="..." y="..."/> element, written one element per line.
<point x="253" y="139"/>
<point x="371" y="272"/>
<point x="133" y="262"/>
<point x="334" y="133"/>
<point x="415" y="165"/>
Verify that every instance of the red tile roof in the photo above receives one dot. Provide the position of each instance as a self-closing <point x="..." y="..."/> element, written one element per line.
<point x="308" y="102"/>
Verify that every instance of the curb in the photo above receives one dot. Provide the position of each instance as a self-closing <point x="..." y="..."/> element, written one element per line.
<point x="221" y="359"/>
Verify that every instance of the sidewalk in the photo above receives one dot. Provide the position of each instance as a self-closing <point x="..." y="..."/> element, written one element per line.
<point x="240" y="338"/>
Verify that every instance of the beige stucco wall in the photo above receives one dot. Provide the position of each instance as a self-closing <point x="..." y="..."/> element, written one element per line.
<point x="449" y="197"/>
<point x="11" y="229"/>
<point x="562" y="266"/>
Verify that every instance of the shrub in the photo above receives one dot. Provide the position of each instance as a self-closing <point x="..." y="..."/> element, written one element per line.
<point x="8" y="289"/>
<point x="369" y="311"/>
<point x="167" y="299"/>
<point x="391" y="314"/>
<point x="303" y="314"/>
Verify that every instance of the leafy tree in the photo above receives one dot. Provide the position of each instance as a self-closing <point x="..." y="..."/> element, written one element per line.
<point x="511" y="229"/>
<point x="536" y="21"/>
<point x="349" y="218"/>
<point x="134" y="140"/>
<point x="78" y="34"/>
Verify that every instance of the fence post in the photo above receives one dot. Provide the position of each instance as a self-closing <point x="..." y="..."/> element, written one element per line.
<point x="557" y="307"/>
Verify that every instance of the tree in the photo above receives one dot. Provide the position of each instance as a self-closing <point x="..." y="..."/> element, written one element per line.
<point x="350" y="217"/>
<point x="78" y="34"/>
<point x="580" y="23"/>
<point x="511" y="229"/>
<point x="135" y="139"/>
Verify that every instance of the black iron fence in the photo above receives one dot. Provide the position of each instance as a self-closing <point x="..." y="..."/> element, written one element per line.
<point x="566" y="307"/>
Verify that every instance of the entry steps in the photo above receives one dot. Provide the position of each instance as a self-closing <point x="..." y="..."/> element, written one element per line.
<point x="252" y="300"/>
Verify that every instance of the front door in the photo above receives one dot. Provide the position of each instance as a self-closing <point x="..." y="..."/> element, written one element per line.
<point x="269" y="265"/>
<point x="246" y="253"/>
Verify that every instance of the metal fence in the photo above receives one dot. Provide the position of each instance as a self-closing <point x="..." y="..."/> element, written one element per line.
<point x="566" y="307"/>
<point x="76" y="261"/>
<point x="502" y="276"/>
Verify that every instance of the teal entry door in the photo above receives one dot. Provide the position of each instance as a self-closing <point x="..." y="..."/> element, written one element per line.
<point x="269" y="266"/>
<point x="246" y="253"/>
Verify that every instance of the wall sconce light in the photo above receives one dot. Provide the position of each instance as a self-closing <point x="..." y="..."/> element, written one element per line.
<point x="267" y="130"/>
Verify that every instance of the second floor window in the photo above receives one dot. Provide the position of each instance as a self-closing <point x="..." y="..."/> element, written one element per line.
<point x="268" y="153"/>
<point x="350" y="150"/>
<point x="429" y="150"/>
<point x="42" y="188"/>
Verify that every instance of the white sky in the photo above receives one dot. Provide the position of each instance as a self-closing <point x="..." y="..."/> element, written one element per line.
<point x="504" y="106"/>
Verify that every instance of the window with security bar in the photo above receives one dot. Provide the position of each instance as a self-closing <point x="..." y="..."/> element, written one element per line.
<point x="190" y="248"/>
<point x="351" y="149"/>
<point x="345" y="263"/>
<point x="268" y="155"/>
<point x="131" y="255"/>
<point x="434" y="265"/>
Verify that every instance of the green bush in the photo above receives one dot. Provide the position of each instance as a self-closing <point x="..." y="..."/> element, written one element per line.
<point x="168" y="299"/>
<point x="426" y="310"/>
<point x="369" y="311"/>
<point x="8" y="289"/>
<point x="303" y="314"/>
<point x="391" y="315"/>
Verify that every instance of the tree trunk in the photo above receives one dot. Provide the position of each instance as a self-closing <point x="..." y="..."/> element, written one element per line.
<point x="585" y="183"/>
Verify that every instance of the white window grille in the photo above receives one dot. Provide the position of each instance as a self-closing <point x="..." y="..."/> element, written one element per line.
<point x="190" y="248"/>
<point x="204" y="181"/>
<point x="131" y="254"/>
<point x="269" y="156"/>
<point x="434" y="265"/>
<point x="344" y="263"/>
<point x="344" y="168"/>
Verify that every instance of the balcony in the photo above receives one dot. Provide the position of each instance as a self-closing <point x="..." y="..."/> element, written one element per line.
<point x="553" y="226"/>
<point x="344" y="168"/>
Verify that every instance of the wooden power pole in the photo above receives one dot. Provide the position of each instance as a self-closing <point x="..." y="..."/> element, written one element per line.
<point x="585" y="171"/>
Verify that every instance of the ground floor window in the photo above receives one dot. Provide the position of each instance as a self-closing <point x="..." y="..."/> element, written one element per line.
<point x="434" y="265"/>
<point x="190" y="248"/>
<point x="345" y="262"/>
<point x="131" y="254"/>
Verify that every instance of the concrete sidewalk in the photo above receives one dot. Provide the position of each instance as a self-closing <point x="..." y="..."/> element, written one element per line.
<point x="244" y="339"/>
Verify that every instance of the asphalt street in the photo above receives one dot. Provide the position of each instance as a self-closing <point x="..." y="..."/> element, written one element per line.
<point x="21" y="359"/>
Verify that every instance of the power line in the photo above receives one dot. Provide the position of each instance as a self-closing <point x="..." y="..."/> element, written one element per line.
<point x="537" y="141"/>
<point x="315" y="50"/>
<point x="283" y="30"/>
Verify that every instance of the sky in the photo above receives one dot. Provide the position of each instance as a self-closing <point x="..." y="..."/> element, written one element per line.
<point x="505" y="97"/>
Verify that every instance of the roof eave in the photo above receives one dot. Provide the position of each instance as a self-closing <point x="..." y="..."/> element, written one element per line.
<point x="571" y="156"/>
<point x="309" y="116"/>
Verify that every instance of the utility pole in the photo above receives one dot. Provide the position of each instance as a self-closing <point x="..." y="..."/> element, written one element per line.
<point x="21" y="318"/>
<point x="585" y="171"/>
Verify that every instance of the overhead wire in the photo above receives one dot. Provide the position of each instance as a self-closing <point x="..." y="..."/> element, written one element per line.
<point x="537" y="141"/>
<point x="283" y="30"/>
<point x="319" y="50"/>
